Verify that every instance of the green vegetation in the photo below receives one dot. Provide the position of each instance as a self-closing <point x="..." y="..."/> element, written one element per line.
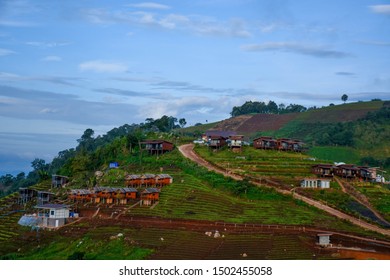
<point x="335" y="154"/>
<point x="256" y="107"/>
<point x="288" y="169"/>
<point x="198" y="194"/>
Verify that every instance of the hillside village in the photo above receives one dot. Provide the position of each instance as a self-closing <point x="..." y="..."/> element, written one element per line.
<point x="257" y="172"/>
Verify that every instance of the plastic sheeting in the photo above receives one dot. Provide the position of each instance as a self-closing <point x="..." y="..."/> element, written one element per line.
<point x="28" y="221"/>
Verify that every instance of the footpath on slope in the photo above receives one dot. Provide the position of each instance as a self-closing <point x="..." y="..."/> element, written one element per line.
<point x="188" y="151"/>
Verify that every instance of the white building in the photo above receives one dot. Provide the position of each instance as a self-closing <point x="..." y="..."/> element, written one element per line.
<point x="315" y="183"/>
<point x="53" y="215"/>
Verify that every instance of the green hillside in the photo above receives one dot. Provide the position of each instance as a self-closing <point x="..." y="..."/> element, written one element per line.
<point x="356" y="133"/>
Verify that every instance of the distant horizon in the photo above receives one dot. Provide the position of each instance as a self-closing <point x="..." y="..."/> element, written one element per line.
<point x="14" y="161"/>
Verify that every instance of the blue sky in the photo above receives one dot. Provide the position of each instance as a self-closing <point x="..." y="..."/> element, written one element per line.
<point x="70" y="65"/>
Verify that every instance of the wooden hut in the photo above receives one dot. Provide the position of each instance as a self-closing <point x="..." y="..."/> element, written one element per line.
<point x="217" y="142"/>
<point x="284" y="144"/>
<point x="157" y="146"/>
<point x="148" y="180"/>
<point x="133" y="180"/>
<point x="163" y="180"/>
<point x="367" y="173"/>
<point x="104" y="195"/>
<point x="236" y="141"/>
<point x="26" y="195"/>
<point x="264" y="142"/>
<point x="297" y="145"/>
<point x="123" y="195"/>
<point x="150" y="196"/>
<point x="44" y="197"/>
<point x="323" y="170"/>
<point x="81" y="195"/>
<point x="57" y="181"/>
<point x="347" y="171"/>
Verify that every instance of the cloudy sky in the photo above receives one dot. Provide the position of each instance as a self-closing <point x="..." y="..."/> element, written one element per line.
<point x="70" y="65"/>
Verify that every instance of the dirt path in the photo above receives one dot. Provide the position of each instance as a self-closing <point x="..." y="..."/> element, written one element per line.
<point x="188" y="151"/>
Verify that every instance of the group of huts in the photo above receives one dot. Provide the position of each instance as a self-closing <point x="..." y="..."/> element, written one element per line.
<point x="144" y="189"/>
<point x="220" y="139"/>
<point x="347" y="171"/>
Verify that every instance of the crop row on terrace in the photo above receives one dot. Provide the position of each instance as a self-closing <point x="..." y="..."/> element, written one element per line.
<point x="190" y="197"/>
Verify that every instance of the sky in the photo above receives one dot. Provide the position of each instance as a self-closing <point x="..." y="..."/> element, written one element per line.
<point x="66" y="66"/>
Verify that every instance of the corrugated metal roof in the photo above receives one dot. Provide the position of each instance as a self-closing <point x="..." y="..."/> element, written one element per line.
<point x="163" y="176"/>
<point x="52" y="206"/>
<point x="129" y="190"/>
<point x="151" y="190"/>
<point x="132" y="177"/>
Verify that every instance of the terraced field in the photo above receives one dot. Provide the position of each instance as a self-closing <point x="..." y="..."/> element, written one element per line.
<point x="9" y="217"/>
<point x="286" y="167"/>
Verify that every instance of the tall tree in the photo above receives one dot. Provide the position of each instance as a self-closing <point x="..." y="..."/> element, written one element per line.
<point x="344" y="98"/>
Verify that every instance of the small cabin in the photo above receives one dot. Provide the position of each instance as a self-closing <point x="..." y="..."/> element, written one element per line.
<point x="236" y="141"/>
<point x="150" y="196"/>
<point x="347" y="171"/>
<point x="26" y="195"/>
<point x="58" y="181"/>
<point x="163" y="180"/>
<point x="104" y="195"/>
<point x="53" y="215"/>
<point x="315" y="183"/>
<point x="148" y="179"/>
<point x="44" y="197"/>
<point x="297" y="145"/>
<point x="217" y="142"/>
<point x="81" y="195"/>
<point x="284" y="144"/>
<point x="130" y="193"/>
<point x="157" y="146"/>
<point x="367" y="173"/>
<point x="264" y="142"/>
<point x="323" y="170"/>
<point x="133" y="180"/>
<point x="123" y="195"/>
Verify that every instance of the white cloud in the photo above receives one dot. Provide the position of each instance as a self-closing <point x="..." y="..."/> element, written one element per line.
<point x="150" y="5"/>
<point x="48" y="44"/>
<point x="48" y="111"/>
<point x="53" y="58"/>
<point x="102" y="66"/>
<point x="4" y="52"/>
<point x="310" y="50"/>
<point x="381" y="9"/>
<point x="193" y="24"/>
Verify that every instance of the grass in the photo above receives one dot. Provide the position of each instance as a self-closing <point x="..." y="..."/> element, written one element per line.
<point x="89" y="247"/>
<point x="378" y="196"/>
<point x="195" y="194"/>
<point x="336" y="154"/>
<point x="286" y="168"/>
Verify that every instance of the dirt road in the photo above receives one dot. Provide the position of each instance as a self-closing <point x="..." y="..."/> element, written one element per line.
<point x="188" y="151"/>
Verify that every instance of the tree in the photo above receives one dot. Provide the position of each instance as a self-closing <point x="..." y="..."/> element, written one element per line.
<point x="86" y="140"/>
<point x="38" y="164"/>
<point x="182" y="122"/>
<point x="344" y="97"/>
